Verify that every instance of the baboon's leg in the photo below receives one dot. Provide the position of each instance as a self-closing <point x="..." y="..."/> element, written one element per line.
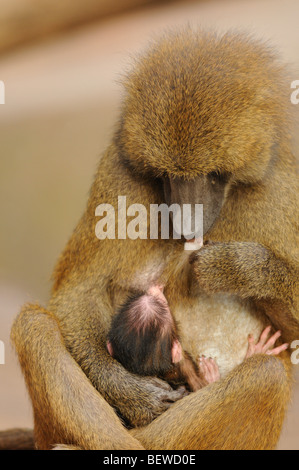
<point x="243" y="411"/>
<point x="67" y="408"/>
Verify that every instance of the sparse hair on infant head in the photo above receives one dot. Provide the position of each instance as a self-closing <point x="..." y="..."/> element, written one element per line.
<point x="142" y="334"/>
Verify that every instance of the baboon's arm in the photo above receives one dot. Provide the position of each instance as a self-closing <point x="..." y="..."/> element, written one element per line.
<point x="67" y="408"/>
<point x="251" y="271"/>
<point x="138" y="399"/>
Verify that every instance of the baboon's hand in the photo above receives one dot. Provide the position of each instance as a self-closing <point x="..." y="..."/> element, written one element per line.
<point x="236" y="267"/>
<point x="209" y="369"/>
<point x="265" y="345"/>
<point x="153" y="397"/>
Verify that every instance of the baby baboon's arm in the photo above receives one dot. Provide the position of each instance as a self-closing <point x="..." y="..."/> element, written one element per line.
<point x="208" y="367"/>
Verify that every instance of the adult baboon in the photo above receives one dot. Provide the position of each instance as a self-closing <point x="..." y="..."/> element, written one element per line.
<point x="204" y="120"/>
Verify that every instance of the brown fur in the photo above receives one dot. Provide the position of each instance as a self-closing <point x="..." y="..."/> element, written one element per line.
<point x="195" y="104"/>
<point x="17" y="439"/>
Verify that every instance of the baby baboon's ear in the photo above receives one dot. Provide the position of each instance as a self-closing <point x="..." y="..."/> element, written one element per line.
<point x="109" y="348"/>
<point x="176" y="352"/>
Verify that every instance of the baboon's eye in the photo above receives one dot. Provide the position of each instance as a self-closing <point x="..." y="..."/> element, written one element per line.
<point x="219" y="178"/>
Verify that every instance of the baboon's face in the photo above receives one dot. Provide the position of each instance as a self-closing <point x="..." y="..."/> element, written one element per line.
<point x="208" y="190"/>
<point x="201" y="114"/>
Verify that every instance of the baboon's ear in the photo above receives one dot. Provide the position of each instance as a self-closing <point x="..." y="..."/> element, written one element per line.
<point x="110" y="348"/>
<point x="176" y="352"/>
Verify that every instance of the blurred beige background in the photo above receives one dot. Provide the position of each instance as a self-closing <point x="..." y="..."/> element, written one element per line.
<point x="62" y="97"/>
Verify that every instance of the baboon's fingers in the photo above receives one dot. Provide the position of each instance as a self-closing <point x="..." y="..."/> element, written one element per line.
<point x="175" y="395"/>
<point x="270" y="343"/>
<point x="203" y="366"/>
<point x="251" y="347"/>
<point x="213" y="370"/>
<point x="264" y="336"/>
<point x="278" y="350"/>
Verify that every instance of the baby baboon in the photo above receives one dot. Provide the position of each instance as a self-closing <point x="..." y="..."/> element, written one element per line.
<point x="144" y="338"/>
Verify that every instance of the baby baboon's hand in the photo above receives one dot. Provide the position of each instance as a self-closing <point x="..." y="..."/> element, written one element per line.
<point x="209" y="370"/>
<point x="153" y="398"/>
<point x="265" y="345"/>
